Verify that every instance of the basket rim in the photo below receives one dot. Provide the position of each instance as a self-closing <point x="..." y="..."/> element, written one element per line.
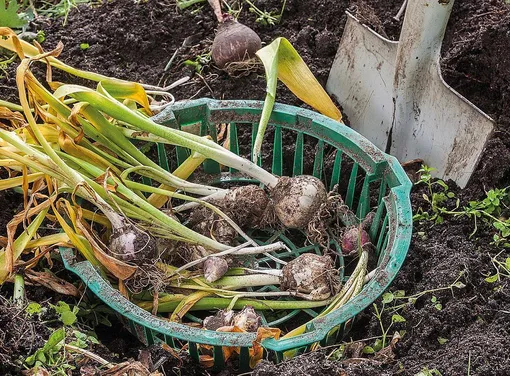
<point x="401" y="238"/>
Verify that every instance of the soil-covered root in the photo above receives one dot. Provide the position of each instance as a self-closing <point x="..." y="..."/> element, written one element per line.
<point x="311" y="274"/>
<point x="330" y="214"/>
<point x="335" y="220"/>
<point x="247" y="206"/>
<point x="147" y="277"/>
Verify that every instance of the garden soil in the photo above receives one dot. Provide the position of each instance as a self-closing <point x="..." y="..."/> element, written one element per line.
<point x="469" y="333"/>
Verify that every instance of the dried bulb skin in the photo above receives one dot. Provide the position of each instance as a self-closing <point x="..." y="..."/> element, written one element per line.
<point x="247" y="319"/>
<point x="220" y="319"/>
<point x="310" y="274"/>
<point x="217" y="228"/>
<point x="130" y="244"/>
<point x="297" y="199"/>
<point x="234" y="42"/>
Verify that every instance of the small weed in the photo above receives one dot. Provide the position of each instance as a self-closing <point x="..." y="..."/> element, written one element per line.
<point x="11" y="15"/>
<point x="60" y="9"/>
<point x="442" y="340"/>
<point x="391" y="304"/>
<point x="490" y="209"/>
<point x="266" y="18"/>
<point x="434" y="198"/>
<point x="200" y="62"/>
<point x="183" y="4"/>
<point x="40" y="36"/>
<point x="52" y="356"/>
<point x="66" y="314"/>
<point x="4" y="64"/>
<point x="84" y="46"/>
<point x="502" y="269"/>
<point x="380" y="343"/>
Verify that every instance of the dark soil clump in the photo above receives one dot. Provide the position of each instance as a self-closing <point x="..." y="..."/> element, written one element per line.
<point x="20" y="335"/>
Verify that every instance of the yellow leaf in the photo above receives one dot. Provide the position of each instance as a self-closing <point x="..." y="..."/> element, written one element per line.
<point x="282" y="61"/>
<point x="54" y="239"/>
<point x="185" y="305"/>
<point x="18" y="180"/>
<point x="126" y="90"/>
<point x="79" y="242"/>
<point x="184" y="171"/>
<point x="13" y="252"/>
<point x="70" y="147"/>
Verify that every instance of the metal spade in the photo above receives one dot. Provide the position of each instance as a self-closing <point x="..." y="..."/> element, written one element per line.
<point x="394" y="95"/>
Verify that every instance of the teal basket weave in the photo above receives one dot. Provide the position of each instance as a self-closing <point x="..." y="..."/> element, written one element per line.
<point x="369" y="180"/>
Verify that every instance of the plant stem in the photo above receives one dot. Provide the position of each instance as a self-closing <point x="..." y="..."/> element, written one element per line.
<point x="213" y="303"/>
<point x="18" y="296"/>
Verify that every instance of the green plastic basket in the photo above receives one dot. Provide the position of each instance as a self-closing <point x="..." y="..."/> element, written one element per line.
<point x="369" y="180"/>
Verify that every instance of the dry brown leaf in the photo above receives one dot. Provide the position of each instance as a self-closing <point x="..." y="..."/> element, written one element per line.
<point x="257" y="351"/>
<point x="387" y="354"/>
<point x="16" y="119"/>
<point x="129" y="369"/>
<point x="53" y="282"/>
<point x="12" y="226"/>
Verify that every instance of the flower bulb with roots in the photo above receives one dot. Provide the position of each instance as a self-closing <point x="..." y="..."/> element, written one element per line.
<point x="297" y="199"/>
<point x="130" y="244"/>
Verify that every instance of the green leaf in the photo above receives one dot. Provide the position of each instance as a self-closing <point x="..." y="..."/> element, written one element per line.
<point x="459" y="285"/>
<point x="507" y="263"/>
<point x="442" y="184"/>
<point x="378" y="344"/>
<point x="84" y="46"/>
<point x="61" y="307"/>
<point x="450" y="195"/>
<point x="438" y="306"/>
<point x="368" y="350"/>
<point x="442" y="340"/>
<point x="492" y="278"/>
<point x="68" y="318"/>
<point x="387" y="297"/>
<point x="433" y="299"/>
<point x="10" y="16"/>
<point x="55" y="338"/>
<point x="397" y="318"/>
<point x="33" y="308"/>
<point x="282" y="61"/>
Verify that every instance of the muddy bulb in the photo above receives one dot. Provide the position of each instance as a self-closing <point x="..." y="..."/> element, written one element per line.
<point x="234" y="42"/>
<point x="353" y="239"/>
<point x="310" y="274"/>
<point x="297" y="199"/>
<point x="247" y="205"/>
<point x="214" y="268"/>
<point x="130" y="244"/>
<point x="247" y="320"/>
